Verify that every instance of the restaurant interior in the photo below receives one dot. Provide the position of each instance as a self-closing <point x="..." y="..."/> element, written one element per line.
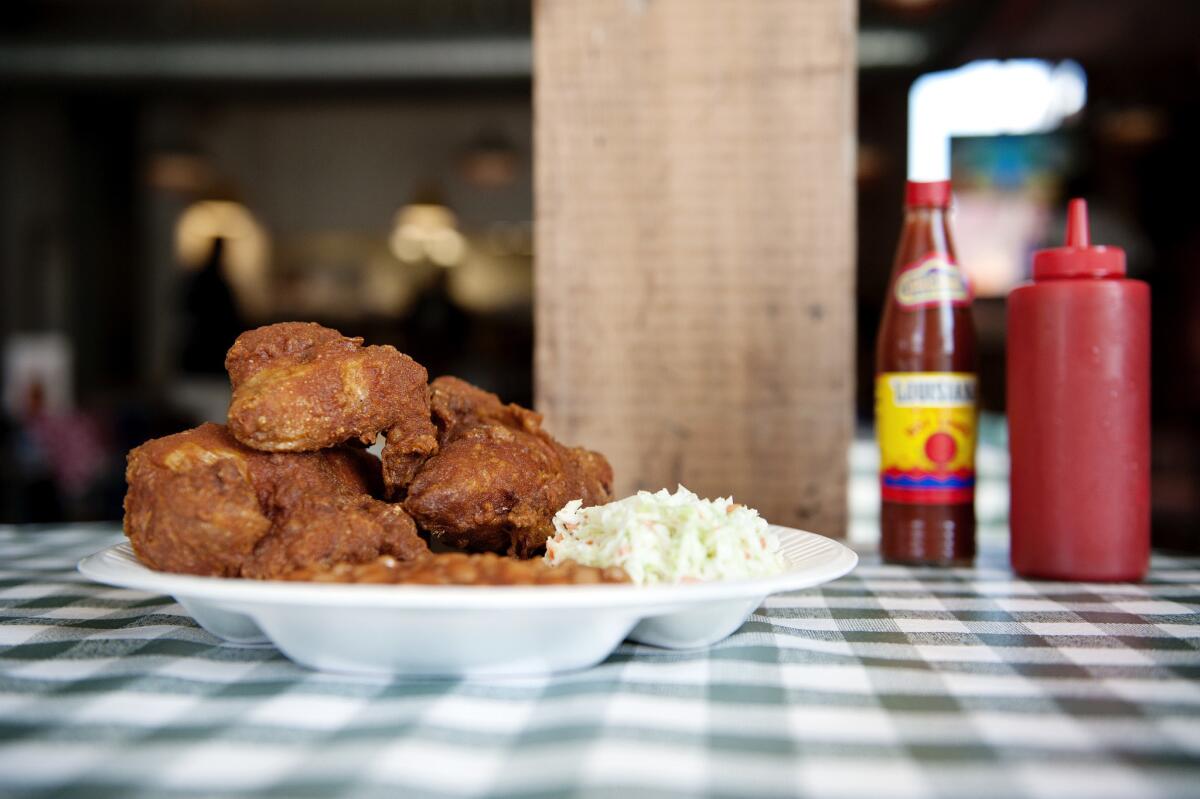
<point x="177" y="172"/>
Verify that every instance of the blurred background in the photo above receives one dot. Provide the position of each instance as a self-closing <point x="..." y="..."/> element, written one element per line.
<point x="174" y="172"/>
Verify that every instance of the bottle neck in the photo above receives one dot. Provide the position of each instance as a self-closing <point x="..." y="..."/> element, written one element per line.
<point x="926" y="230"/>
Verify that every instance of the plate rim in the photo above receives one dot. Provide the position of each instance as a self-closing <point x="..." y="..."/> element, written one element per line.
<point x="99" y="567"/>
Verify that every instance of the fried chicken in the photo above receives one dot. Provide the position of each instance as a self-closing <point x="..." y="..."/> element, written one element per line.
<point x="199" y="502"/>
<point x="454" y="404"/>
<point x="191" y="506"/>
<point x="275" y="494"/>
<point x="458" y="568"/>
<point x="300" y="387"/>
<point x="497" y="478"/>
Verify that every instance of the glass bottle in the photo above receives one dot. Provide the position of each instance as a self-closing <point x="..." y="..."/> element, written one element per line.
<point x="925" y="393"/>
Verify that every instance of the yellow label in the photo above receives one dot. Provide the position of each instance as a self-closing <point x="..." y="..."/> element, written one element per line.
<point x="925" y="423"/>
<point x="933" y="280"/>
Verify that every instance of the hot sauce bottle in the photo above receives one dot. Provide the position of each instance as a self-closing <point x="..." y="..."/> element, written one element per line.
<point x="925" y="393"/>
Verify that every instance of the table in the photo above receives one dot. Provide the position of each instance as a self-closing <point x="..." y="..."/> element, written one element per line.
<point x="893" y="682"/>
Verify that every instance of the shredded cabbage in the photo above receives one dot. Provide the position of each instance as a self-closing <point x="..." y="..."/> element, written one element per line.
<point x="667" y="538"/>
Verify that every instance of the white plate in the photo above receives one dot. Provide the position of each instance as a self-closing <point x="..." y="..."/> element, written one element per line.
<point x="470" y="631"/>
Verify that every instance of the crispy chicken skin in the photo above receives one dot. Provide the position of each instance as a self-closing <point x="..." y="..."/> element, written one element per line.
<point x="300" y="387"/>
<point x="264" y="346"/>
<point x="459" y="568"/>
<point x="191" y="506"/>
<point x="455" y="404"/>
<point x="497" y="478"/>
<point x="339" y="528"/>
<point x="199" y="502"/>
<point x="404" y="453"/>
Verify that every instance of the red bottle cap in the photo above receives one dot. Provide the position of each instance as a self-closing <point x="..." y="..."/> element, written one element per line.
<point x="1078" y="258"/>
<point x="934" y="194"/>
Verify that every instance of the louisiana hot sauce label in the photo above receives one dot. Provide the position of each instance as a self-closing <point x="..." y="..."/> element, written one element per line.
<point x="933" y="280"/>
<point x="925" y="422"/>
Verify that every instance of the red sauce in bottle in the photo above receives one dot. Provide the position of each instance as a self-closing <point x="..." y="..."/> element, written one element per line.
<point x="925" y="393"/>
<point x="1079" y="413"/>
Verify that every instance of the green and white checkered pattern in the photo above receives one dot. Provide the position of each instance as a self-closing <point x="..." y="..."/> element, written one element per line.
<point x="891" y="682"/>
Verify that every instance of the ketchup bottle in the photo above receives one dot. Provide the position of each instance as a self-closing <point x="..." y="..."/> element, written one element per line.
<point x="1079" y="414"/>
<point x="925" y="386"/>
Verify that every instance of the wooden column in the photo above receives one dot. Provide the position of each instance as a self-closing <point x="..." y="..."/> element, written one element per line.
<point x="695" y="255"/>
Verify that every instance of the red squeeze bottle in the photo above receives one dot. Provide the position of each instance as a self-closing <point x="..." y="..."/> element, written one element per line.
<point x="1079" y="414"/>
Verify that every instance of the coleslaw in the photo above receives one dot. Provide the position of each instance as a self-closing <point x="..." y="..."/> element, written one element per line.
<point x="667" y="538"/>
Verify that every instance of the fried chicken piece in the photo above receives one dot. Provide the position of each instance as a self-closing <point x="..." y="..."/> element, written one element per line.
<point x="458" y="568"/>
<point x="326" y="529"/>
<point x="324" y="512"/>
<point x="199" y="502"/>
<point x="191" y="506"/>
<point x="455" y="404"/>
<point x="299" y="387"/>
<point x="497" y="478"/>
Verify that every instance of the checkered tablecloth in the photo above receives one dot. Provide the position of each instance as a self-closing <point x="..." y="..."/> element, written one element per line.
<point x="891" y="682"/>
